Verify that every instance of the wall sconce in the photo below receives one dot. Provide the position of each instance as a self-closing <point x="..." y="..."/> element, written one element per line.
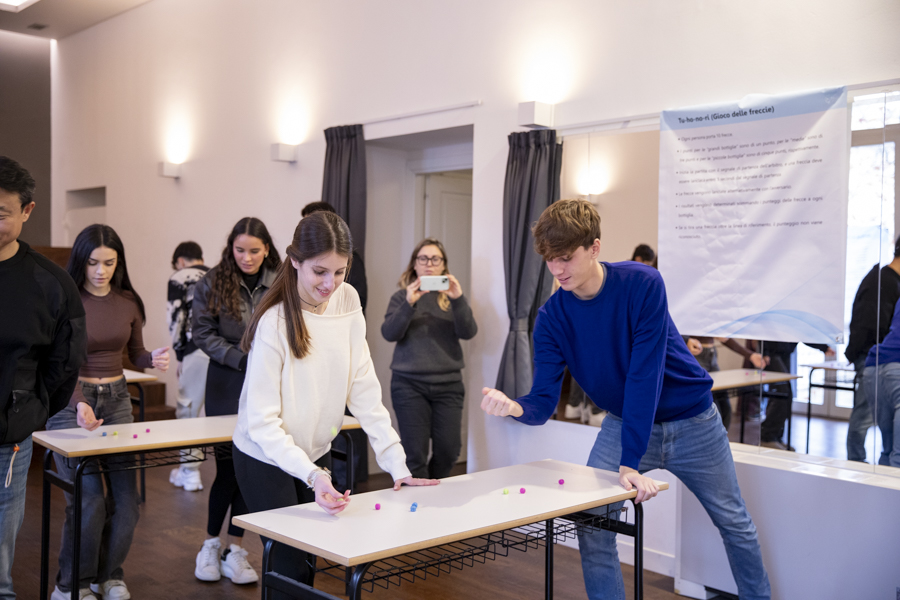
<point x="535" y="115"/>
<point x="284" y="153"/>
<point x="169" y="169"/>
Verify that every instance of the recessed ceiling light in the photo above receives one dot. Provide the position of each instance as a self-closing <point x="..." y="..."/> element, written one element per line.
<point x="15" y="5"/>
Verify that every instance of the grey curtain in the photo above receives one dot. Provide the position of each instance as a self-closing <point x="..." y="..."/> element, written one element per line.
<point x="344" y="184"/>
<point x="532" y="184"/>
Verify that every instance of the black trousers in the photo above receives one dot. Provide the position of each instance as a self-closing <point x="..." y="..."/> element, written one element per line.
<point x="223" y="393"/>
<point x="266" y="487"/>
<point x="429" y="412"/>
<point x="778" y="410"/>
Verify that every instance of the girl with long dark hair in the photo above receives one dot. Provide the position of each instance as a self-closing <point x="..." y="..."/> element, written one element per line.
<point x="308" y="362"/>
<point x="426" y="386"/>
<point x="224" y="301"/>
<point x="115" y="317"/>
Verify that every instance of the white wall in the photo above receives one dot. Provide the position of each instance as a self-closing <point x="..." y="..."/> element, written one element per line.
<point x="225" y="72"/>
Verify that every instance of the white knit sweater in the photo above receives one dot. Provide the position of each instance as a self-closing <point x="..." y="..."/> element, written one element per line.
<point x="289" y="408"/>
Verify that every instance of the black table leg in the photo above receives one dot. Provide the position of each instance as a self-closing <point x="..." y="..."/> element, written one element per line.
<point x="548" y="560"/>
<point x="267" y="556"/>
<point x="638" y="551"/>
<point x="809" y="408"/>
<point x="76" y="528"/>
<point x="356" y="581"/>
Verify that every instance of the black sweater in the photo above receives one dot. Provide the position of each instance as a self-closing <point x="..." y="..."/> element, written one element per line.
<point x="865" y="312"/>
<point x="42" y="342"/>
<point x="427" y="338"/>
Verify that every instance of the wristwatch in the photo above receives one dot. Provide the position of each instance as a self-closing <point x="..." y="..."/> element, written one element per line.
<point x="311" y="480"/>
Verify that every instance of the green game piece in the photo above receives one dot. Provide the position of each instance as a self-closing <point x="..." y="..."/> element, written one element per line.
<point x="334" y="431"/>
<point x="505" y="491"/>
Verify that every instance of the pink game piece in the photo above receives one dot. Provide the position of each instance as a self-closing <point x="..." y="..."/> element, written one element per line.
<point x="521" y="490"/>
<point x="377" y="507"/>
<point x="562" y="481"/>
<point x="135" y="436"/>
<point x="148" y="430"/>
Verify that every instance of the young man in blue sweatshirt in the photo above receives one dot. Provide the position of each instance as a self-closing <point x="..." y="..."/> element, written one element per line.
<point x="610" y="325"/>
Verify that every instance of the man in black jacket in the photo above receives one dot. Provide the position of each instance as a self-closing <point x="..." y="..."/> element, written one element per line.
<point x="42" y="346"/>
<point x="870" y="321"/>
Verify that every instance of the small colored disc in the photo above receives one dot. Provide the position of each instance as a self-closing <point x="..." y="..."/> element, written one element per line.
<point x="377" y="507"/>
<point x="521" y="490"/>
<point x="135" y="436"/>
<point x="505" y="491"/>
<point x="562" y="481"/>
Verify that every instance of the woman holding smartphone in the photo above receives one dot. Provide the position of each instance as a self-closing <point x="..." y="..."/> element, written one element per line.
<point x="115" y="320"/>
<point x="426" y="387"/>
<point x="308" y="360"/>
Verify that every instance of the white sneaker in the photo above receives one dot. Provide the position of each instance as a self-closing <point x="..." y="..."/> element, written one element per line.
<point x="207" y="568"/>
<point x="573" y="412"/>
<point x="175" y="477"/>
<point x="114" y="589"/>
<point x="83" y="594"/>
<point x="596" y="419"/>
<point x="235" y="566"/>
<point x="190" y="479"/>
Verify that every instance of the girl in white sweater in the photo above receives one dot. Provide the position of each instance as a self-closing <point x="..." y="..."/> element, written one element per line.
<point x="308" y="359"/>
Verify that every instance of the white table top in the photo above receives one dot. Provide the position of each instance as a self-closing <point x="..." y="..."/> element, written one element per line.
<point x="172" y="433"/>
<point x="731" y="379"/>
<point x="458" y="508"/>
<point x="138" y="377"/>
<point x="831" y="365"/>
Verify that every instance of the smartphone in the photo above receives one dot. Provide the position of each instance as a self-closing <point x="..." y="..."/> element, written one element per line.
<point x="434" y="283"/>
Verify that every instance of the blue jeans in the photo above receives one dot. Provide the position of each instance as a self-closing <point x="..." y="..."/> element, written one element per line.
<point x="860" y="417"/>
<point x="12" y="509"/>
<point x="887" y="378"/>
<point x="696" y="451"/>
<point x="107" y="520"/>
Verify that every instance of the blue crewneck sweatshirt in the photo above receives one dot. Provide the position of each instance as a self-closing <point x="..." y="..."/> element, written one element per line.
<point x="888" y="350"/>
<point x="624" y="350"/>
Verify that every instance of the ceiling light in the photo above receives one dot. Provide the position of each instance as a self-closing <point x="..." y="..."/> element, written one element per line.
<point x="15" y="5"/>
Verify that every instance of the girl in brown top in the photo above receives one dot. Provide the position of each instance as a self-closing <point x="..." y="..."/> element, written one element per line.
<point x="115" y="317"/>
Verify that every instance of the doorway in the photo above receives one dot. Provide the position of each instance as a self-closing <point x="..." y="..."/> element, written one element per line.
<point x="419" y="185"/>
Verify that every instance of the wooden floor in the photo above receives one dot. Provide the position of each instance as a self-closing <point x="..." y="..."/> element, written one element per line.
<point x="172" y="528"/>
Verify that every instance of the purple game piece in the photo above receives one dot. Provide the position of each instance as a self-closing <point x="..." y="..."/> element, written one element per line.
<point x="562" y="481"/>
<point x="135" y="436"/>
<point x="377" y="507"/>
<point x="521" y="490"/>
<point x="148" y="430"/>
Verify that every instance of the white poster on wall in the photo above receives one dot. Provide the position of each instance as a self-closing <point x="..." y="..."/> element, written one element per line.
<point x="753" y="216"/>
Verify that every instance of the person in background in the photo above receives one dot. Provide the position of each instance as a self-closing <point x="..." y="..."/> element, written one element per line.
<point x="870" y="321"/>
<point x="293" y="400"/>
<point x="115" y="319"/>
<point x="778" y="410"/>
<point x="704" y="350"/>
<point x="42" y="347"/>
<point x="357" y="275"/>
<point x="224" y="301"/>
<point x="645" y="255"/>
<point x="883" y="371"/>
<point x="192" y="362"/>
<point x="426" y="387"/>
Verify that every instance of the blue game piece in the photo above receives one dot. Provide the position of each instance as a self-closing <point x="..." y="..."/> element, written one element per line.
<point x="414" y="506"/>
<point x="104" y="434"/>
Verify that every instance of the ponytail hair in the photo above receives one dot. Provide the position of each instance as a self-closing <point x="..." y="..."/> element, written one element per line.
<point x="317" y="234"/>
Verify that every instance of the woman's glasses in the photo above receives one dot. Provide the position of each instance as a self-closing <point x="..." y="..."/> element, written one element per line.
<point x="434" y="260"/>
